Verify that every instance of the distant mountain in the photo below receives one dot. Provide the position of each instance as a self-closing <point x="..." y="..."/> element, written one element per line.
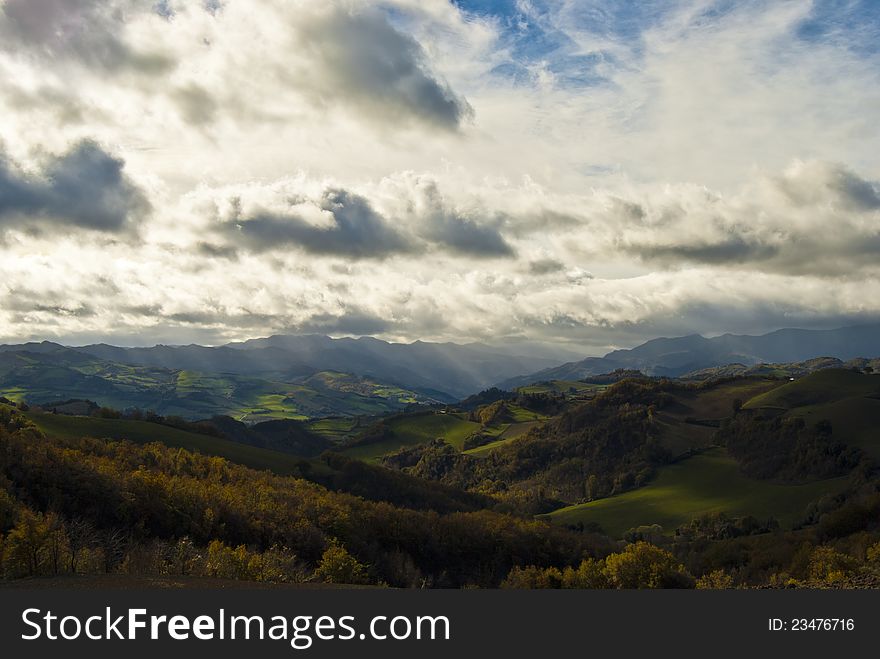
<point x="46" y="374"/>
<point x="441" y="370"/>
<point x="674" y="357"/>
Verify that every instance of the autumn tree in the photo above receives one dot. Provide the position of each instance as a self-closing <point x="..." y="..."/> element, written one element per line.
<point x="339" y="566"/>
<point x="642" y="565"/>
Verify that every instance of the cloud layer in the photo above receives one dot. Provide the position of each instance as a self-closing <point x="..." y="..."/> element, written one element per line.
<point x="584" y="172"/>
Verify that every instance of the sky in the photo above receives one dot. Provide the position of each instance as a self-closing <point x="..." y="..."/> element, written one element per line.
<point x="581" y="173"/>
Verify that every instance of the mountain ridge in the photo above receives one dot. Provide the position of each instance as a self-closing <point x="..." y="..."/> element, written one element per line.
<point x="676" y="356"/>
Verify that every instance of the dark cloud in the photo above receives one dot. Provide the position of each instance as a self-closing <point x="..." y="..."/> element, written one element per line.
<point x="361" y="60"/>
<point x="86" y="187"/>
<point x="216" y="251"/>
<point x="545" y="267"/>
<point x="465" y="236"/>
<point x="357" y="231"/>
<point x="816" y="219"/>
<point x="86" y="31"/>
<point x="440" y="223"/>
<point x="732" y="249"/>
<point x="845" y="254"/>
<point x="351" y="321"/>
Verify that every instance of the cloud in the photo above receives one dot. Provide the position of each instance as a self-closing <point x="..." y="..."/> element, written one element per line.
<point x="85" y="187"/>
<point x="436" y="219"/>
<point x="357" y="59"/>
<point x="350" y="322"/>
<point x="86" y="31"/>
<point x="816" y="218"/>
<point x="633" y="177"/>
<point x="545" y="266"/>
<point x="403" y="215"/>
<point x="355" y="229"/>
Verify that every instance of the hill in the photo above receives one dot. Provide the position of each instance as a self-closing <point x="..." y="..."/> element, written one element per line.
<point x="142" y="432"/>
<point x="848" y="400"/>
<point x="117" y="507"/>
<point x="707" y="483"/>
<point x="400" y="431"/>
<point x="673" y="357"/>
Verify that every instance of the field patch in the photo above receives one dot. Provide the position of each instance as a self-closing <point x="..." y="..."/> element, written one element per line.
<point x="414" y="429"/>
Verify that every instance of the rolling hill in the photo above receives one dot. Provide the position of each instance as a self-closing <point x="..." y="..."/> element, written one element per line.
<point x="707" y="483"/>
<point x="850" y="401"/>
<point x="142" y="432"/>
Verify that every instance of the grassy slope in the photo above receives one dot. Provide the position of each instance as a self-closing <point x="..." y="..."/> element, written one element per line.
<point x="142" y="432"/>
<point x="410" y="430"/>
<point x="708" y="405"/>
<point x="849" y="400"/>
<point x="821" y="387"/>
<point x="508" y="433"/>
<point x="855" y="421"/>
<point x="706" y="483"/>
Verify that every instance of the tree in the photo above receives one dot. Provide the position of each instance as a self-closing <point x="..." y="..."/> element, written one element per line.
<point x="829" y="565"/>
<point x="27" y="542"/>
<point x="589" y="574"/>
<point x="532" y="577"/>
<point x="81" y="535"/>
<point x="642" y="565"/>
<point x="57" y="544"/>
<point x="338" y="566"/>
<point x="715" y="580"/>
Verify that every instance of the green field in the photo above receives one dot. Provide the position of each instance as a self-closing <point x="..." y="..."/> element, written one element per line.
<point x="572" y="388"/>
<point x="509" y="433"/>
<point x="706" y="483"/>
<point x="414" y="429"/>
<point x="143" y="432"/>
<point x="336" y="429"/>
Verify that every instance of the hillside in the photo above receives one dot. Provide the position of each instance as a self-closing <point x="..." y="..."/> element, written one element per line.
<point x="142" y="432"/>
<point x="704" y="484"/>
<point x="116" y="507"/>
<point x="848" y="400"/>
<point x="635" y="458"/>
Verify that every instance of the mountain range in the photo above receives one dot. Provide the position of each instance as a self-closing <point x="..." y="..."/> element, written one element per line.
<point x="414" y="372"/>
<point x="312" y="376"/>
<point x="674" y="357"/>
